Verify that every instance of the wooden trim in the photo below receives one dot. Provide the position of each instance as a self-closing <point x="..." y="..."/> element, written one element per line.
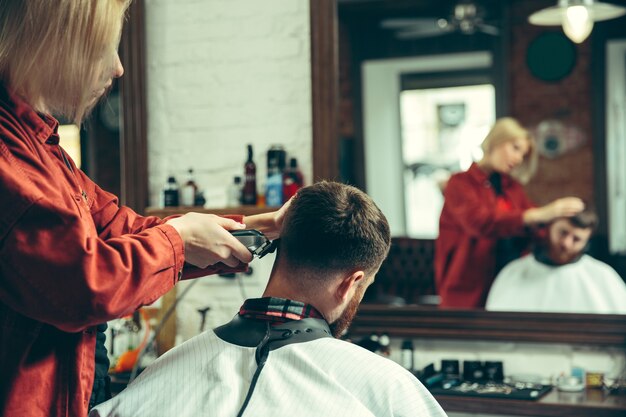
<point x="420" y="322"/>
<point x="133" y="134"/>
<point x="324" y="88"/>
<point x="554" y="404"/>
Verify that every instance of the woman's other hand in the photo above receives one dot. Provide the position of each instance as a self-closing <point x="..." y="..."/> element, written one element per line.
<point x="208" y="240"/>
<point x="562" y="207"/>
<point x="270" y="224"/>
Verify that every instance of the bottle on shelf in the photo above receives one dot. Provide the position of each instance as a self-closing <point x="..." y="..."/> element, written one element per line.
<point x="188" y="190"/>
<point x="170" y="193"/>
<point x="274" y="185"/>
<point x="200" y="200"/>
<point x="248" y="194"/>
<point x="278" y="154"/>
<point x="260" y="197"/>
<point x="233" y="196"/>
<point x="292" y="180"/>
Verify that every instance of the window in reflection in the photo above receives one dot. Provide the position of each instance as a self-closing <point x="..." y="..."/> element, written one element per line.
<point x="442" y="129"/>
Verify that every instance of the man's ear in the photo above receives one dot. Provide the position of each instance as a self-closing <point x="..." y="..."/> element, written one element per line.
<point x="348" y="283"/>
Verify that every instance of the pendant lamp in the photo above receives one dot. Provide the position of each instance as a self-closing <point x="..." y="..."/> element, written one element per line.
<point x="576" y="16"/>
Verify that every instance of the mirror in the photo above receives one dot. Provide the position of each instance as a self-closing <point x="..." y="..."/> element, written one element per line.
<point x="133" y="135"/>
<point x="391" y="62"/>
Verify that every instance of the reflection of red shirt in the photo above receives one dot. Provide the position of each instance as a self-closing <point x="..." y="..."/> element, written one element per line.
<point x="503" y="204"/>
<point x="70" y="258"/>
<point x="472" y="220"/>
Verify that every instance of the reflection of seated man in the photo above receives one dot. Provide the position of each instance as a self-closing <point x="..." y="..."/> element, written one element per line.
<point x="276" y="357"/>
<point x="560" y="277"/>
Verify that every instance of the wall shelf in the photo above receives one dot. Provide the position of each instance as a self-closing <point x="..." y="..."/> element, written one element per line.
<point x="245" y="210"/>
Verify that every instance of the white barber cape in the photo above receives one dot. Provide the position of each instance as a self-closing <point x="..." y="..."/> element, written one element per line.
<point x="326" y="377"/>
<point x="583" y="286"/>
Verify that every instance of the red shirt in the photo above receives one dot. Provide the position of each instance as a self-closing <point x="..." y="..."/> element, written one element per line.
<point x="70" y="258"/>
<point x="470" y="225"/>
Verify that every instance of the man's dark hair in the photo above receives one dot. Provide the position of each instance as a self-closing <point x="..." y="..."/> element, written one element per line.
<point x="334" y="227"/>
<point x="586" y="219"/>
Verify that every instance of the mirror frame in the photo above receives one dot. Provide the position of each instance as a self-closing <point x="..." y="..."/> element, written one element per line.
<point x="133" y="132"/>
<point x="406" y="321"/>
<point x="423" y="322"/>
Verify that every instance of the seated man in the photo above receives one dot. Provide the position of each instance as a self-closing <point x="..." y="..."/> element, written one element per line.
<point x="560" y="277"/>
<point x="277" y="357"/>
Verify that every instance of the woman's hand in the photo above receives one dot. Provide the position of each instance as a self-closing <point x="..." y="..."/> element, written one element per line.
<point x="562" y="207"/>
<point x="208" y="240"/>
<point x="270" y="224"/>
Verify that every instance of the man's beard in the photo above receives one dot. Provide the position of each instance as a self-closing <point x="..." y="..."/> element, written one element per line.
<point x="341" y="324"/>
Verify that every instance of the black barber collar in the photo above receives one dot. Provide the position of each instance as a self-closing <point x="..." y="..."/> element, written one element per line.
<point x="266" y="337"/>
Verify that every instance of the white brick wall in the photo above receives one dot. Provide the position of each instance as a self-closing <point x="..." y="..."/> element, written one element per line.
<point x="222" y="74"/>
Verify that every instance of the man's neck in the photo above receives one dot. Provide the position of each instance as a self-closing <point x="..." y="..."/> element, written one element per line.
<point x="281" y="286"/>
<point x="276" y="309"/>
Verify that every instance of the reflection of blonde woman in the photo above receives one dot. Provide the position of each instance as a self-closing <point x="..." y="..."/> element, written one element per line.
<point x="70" y="257"/>
<point x="486" y="216"/>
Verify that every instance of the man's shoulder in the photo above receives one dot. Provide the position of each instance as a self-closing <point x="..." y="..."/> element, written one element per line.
<point x="513" y="274"/>
<point x="589" y="262"/>
<point x="376" y="364"/>
<point x="194" y="349"/>
<point x="382" y="381"/>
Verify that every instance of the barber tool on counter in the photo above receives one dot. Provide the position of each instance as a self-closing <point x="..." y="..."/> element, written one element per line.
<point x="478" y="379"/>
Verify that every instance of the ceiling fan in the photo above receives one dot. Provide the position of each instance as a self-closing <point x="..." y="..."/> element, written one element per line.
<point x="466" y="18"/>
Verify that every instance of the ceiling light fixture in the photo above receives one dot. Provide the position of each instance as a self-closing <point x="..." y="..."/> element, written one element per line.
<point x="576" y="16"/>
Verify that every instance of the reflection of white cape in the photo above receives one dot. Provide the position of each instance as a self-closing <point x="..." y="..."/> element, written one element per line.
<point x="584" y="286"/>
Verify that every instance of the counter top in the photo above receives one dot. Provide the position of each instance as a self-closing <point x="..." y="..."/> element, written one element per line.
<point x="589" y="403"/>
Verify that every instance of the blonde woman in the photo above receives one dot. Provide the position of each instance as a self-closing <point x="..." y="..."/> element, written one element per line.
<point x="487" y="219"/>
<point x="70" y="257"/>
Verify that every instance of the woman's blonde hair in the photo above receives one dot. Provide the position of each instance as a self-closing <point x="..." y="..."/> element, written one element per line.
<point x="508" y="129"/>
<point x="53" y="52"/>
